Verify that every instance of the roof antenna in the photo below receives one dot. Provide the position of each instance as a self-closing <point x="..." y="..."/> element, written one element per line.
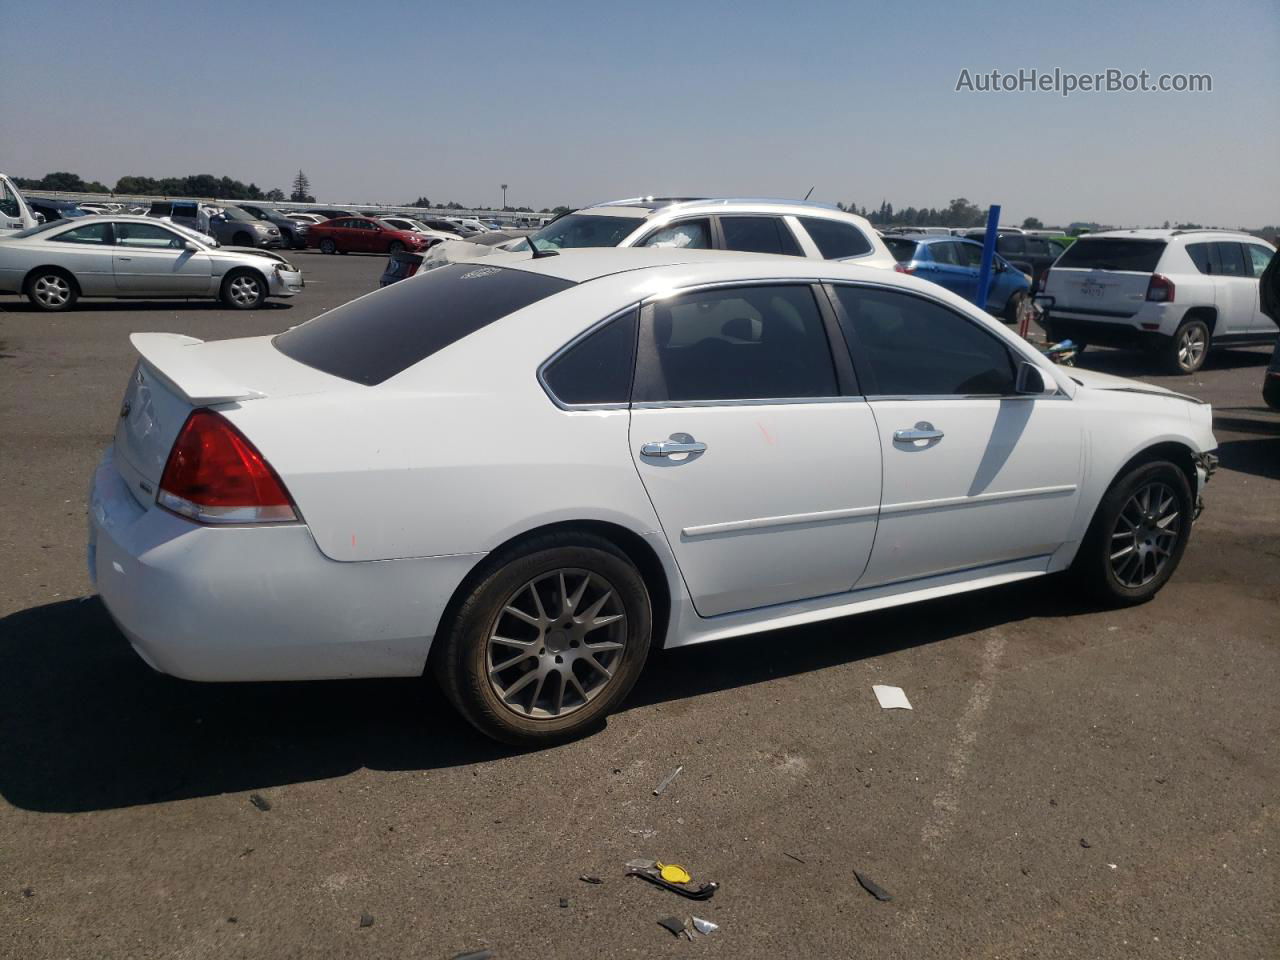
<point x="809" y="194"/>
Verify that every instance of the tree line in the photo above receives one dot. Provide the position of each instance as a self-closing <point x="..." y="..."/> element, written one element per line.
<point x="192" y="185"/>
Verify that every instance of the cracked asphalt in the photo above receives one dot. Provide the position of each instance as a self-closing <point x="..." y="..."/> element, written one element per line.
<point x="1072" y="781"/>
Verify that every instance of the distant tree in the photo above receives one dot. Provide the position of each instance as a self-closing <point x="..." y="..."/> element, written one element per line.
<point x="275" y="194"/>
<point x="1166" y="225"/>
<point x="420" y="202"/>
<point x="1032" y="223"/>
<point x="301" y="189"/>
<point x="454" y="205"/>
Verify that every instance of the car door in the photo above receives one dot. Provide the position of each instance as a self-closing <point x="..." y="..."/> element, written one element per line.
<point x="1236" y="289"/>
<point x="1259" y="257"/>
<point x="756" y="234"/>
<point x="692" y="234"/>
<point x="761" y="461"/>
<point x="974" y="474"/>
<point x="948" y="269"/>
<point x="86" y="251"/>
<point x="151" y="260"/>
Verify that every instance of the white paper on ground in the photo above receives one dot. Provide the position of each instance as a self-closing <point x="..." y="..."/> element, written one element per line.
<point x="891" y="698"/>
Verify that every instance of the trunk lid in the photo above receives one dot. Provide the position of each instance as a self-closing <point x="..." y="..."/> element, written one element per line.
<point x="175" y="374"/>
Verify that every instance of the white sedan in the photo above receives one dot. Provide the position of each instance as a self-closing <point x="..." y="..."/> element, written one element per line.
<point x="56" y="263"/>
<point x="524" y="477"/>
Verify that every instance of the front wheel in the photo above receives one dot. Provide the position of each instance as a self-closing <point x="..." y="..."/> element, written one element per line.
<point x="1138" y="535"/>
<point x="548" y="642"/>
<point x="396" y="247"/>
<point x="244" y="290"/>
<point x="1187" y="349"/>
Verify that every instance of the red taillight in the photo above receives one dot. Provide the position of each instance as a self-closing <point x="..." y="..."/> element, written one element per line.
<point x="1044" y="282"/>
<point x="902" y="268"/>
<point x="1160" y="289"/>
<point x="215" y="475"/>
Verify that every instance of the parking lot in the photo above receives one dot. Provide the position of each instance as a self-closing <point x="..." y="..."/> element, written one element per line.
<point x="1072" y="782"/>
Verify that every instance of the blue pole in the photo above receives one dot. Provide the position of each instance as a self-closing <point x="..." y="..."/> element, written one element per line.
<point x="988" y="252"/>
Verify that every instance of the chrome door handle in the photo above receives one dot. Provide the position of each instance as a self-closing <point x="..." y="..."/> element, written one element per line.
<point x="679" y="443"/>
<point x="921" y="431"/>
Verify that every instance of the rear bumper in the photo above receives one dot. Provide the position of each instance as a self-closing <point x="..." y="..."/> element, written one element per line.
<point x="257" y="603"/>
<point x="1117" y="333"/>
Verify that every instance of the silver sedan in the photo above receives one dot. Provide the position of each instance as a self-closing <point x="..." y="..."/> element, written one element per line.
<point x="56" y="263"/>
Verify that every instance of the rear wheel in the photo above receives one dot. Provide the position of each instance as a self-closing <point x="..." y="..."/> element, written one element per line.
<point x="52" y="290"/>
<point x="328" y="246"/>
<point x="548" y="642"/>
<point x="244" y="290"/>
<point x="1138" y="534"/>
<point x="1186" y="351"/>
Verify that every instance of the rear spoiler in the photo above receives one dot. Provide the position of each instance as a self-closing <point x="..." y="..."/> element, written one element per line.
<point x="171" y="357"/>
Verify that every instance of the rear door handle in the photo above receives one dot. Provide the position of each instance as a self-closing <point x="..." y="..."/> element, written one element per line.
<point x="921" y="431"/>
<point x="678" y="444"/>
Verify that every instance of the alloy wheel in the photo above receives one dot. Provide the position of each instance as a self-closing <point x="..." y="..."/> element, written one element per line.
<point x="556" y="644"/>
<point x="1145" y="534"/>
<point x="243" y="290"/>
<point x="51" y="290"/>
<point x="1192" y="343"/>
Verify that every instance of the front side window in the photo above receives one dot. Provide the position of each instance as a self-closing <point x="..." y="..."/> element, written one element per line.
<point x="146" y="235"/>
<point x="372" y="339"/>
<point x="96" y="233"/>
<point x="1260" y="257"/>
<point x="835" y="239"/>
<point x="913" y="347"/>
<point x="1231" y="256"/>
<point x="687" y="234"/>
<point x="759" y="235"/>
<point x="970" y="254"/>
<point x="597" y="369"/>
<point x="743" y="343"/>
<point x="8" y="202"/>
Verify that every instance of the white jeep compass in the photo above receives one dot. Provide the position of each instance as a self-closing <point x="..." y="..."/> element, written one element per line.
<point x="1176" y="293"/>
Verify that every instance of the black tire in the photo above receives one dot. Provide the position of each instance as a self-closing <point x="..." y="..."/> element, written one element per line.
<point x="1271" y="391"/>
<point x="242" y="239"/>
<point x="328" y="246"/>
<point x="243" y="289"/>
<point x="1013" y="306"/>
<point x="395" y="247"/>
<point x="51" y="290"/>
<point x="1186" y="351"/>
<point x="1114" y="580"/>
<point x="461" y="659"/>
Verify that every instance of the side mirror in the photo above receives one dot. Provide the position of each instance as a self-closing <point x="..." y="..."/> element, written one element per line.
<point x="998" y="266"/>
<point x="191" y="246"/>
<point x="1033" y="381"/>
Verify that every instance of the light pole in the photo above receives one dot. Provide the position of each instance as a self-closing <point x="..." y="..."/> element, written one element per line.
<point x="504" y="196"/>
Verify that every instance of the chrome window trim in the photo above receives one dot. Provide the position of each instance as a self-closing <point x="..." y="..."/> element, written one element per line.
<point x="599" y="324"/>
<point x="768" y="402"/>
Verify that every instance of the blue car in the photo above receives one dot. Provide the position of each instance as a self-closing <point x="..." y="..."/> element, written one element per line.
<point x="953" y="262"/>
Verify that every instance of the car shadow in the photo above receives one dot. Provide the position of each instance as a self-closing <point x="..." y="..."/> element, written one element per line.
<point x="1134" y="363"/>
<point x="109" y="306"/>
<point x="88" y="726"/>
<point x="1259" y="456"/>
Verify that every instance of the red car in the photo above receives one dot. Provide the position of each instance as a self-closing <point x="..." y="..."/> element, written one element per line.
<point x="363" y="235"/>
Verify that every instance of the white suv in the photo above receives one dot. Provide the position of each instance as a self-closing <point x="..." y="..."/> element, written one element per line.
<point x="1176" y="293"/>
<point x="788" y="227"/>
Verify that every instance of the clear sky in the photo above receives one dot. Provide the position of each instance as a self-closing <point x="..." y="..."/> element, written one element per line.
<point x="572" y="102"/>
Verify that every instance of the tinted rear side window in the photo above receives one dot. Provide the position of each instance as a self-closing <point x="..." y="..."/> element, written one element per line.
<point x="596" y="369"/>
<point x="372" y="339"/>
<point x="1201" y="257"/>
<point x="759" y="235"/>
<point x="1139" y="256"/>
<point x="902" y="250"/>
<point x="836" y="240"/>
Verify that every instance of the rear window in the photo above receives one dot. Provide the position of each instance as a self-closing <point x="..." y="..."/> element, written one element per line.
<point x="836" y="240"/>
<point x="902" y="250"/>
<point x="1104" y="253"/>
<point x="372" y="339"/>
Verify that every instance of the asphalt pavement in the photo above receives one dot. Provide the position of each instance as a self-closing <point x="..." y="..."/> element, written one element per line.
<point x="1072" y="781"/>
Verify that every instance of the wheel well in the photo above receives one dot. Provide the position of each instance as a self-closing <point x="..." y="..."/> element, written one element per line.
<point x="1208" y="314"/>
<point x="256" y="272"/>
<point x="50" y="269"/>
<point x="1179" y="454"/>
<point x="241" y="233"/>
<point x="632" y="545"/>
